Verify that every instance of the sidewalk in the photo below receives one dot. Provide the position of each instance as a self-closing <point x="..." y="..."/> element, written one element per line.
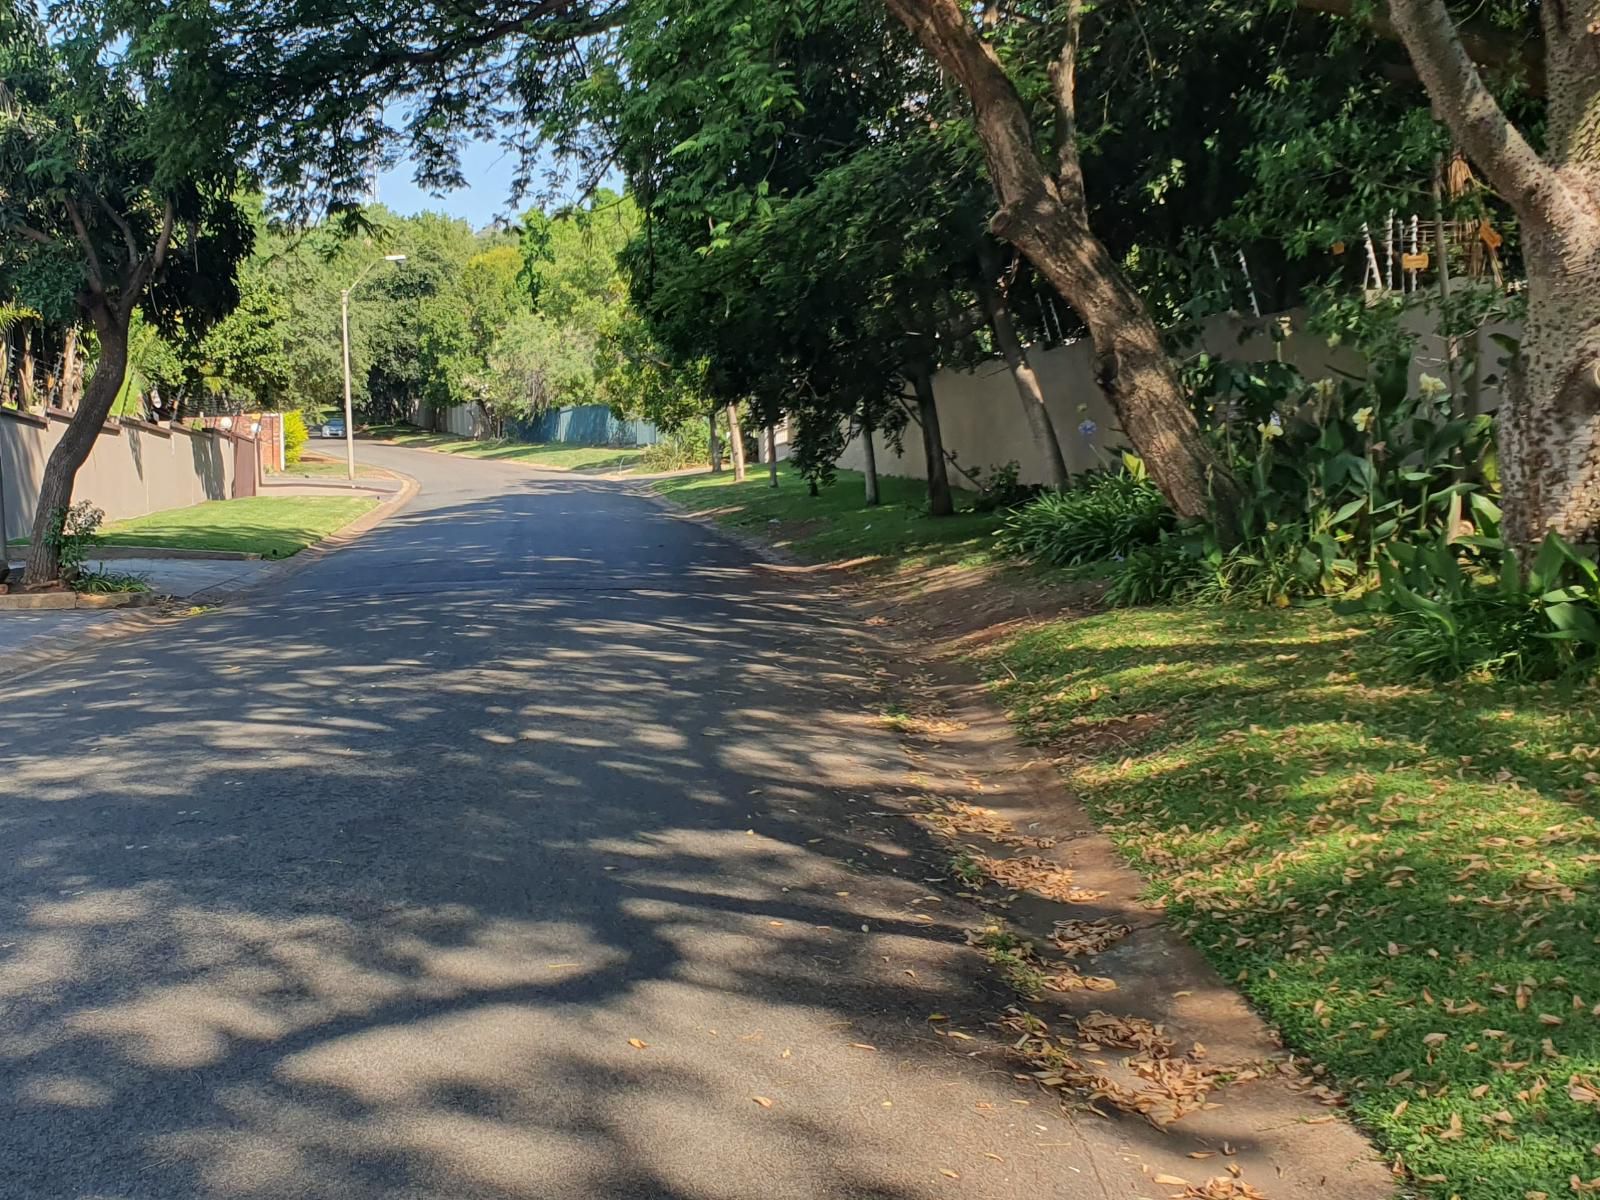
<point x="28" y="636"/>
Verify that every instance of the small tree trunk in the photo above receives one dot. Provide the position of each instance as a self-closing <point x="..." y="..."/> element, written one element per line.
<point x="61" y="469"/>
<point x="772" y="456"/>
<point x="1040" y="425"/>
<point x="736" y="440"/>
<point x="25" y="371"/>
<point x="869" y="464"/>
<point x="716" y="443"/>
<point x="941" y="501"/>
<point x="69" y="370"/>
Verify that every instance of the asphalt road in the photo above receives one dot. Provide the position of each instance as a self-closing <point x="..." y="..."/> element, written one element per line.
<point x="524" y="849"/>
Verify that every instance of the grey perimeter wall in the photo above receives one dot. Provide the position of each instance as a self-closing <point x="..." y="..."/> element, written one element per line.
<point x="982" y="420"/>
<point x="135" y="468"/>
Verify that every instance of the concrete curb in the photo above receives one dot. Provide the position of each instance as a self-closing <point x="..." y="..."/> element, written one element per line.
<point x="758" y="546"/>
<point x="117" y="553"/>
<point x="161" y="611"/>
<point x="64" y="601"/>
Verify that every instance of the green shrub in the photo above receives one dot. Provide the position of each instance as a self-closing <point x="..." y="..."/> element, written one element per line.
<point x="1002" y="489"/>
<point x="1449" y="612"/>
<point x="687" y="446"/>
<point x="1104" y="516"/>
<point x="74" y="532"/>
<point x="295" y="436"/>
<point x="103" y="583"/>
<point x="1158" y="574"/>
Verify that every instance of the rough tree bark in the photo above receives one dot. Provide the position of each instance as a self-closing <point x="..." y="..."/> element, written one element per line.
<point x="110" y="314"/>
<point x="941" y="501"/>
<point x="1029" y="392"/>
<point x="61" y="469"/>
<point x="772" y="456"/>
<point x="716" y="443"/>
<point x="1549" y="419"/>
<point x="736" y="443"/>
<point x="1045" y="215"/>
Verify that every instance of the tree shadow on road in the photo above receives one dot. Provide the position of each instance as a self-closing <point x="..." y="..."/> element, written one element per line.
<point x="368" y="891"/>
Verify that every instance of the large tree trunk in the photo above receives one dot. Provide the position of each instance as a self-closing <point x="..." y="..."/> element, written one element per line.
<point x="61" y="469"/>
<point x="869" y="463"/>
<point x="716" y="443"/>
<point x="736" y="443"/>
<point x="1047" y="218"/>
<point x="1549" y="419"/>
<point x="941" y="501"/>
<point x="1011" y="349"/>
<point x="772" y="456"/>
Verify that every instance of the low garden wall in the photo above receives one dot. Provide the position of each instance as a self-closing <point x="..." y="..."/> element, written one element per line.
<point x="134" y="468"/>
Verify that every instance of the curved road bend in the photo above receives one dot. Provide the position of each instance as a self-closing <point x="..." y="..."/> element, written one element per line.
<point x="372" y="888"/>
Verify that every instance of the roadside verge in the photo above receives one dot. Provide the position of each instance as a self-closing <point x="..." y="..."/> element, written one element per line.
<point x="1116" y="1013"/>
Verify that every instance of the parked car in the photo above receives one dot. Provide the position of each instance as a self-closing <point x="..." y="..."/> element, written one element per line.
<point x="333" y="428"/>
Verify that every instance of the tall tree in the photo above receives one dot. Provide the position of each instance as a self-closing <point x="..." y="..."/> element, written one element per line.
<point x="1044" y="213"/>
<point x="123" y="168"/>
<point x="1549" y="423"/>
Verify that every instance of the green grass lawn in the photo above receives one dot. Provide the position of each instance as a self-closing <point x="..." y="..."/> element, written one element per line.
<point x="1401" y="878"/>
<point x="535" y="454"/>
<point x="837" y="525"/>
<point x="325" y="468"/>
<point x="272" y="526"/>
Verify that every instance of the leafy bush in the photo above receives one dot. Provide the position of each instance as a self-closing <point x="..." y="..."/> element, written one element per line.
<point x="1330" y="474"/>
<point x="295" y="436"/>
<point x="1157" y="574"/>
<point x="104" y="583"/>
<point x="1002" y="489"/>
<point x="1449" y="614"/>
<point x="74" y="532"/>
<point x="689" y="445"/>
<point x="1105" y="516"/>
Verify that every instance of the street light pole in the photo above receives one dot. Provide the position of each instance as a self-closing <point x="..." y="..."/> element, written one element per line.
<point x="344" y="326"/>
<point x="349" y="414"/>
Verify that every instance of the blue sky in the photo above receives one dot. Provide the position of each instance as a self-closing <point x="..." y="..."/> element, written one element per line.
<point x="488" y="169"/>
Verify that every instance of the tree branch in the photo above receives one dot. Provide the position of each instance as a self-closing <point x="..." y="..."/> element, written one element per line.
<point x="36" y="235"/>
<point x="1485" y="45"/>
<point x="164" y="240"/>
<point x="97" y="279"/>
<point x="1465" y="105"/>
<point x="1064" y="86"/>
<point x="122" y="226"/>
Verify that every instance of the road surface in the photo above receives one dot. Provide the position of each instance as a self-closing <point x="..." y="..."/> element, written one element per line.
<point x="512" y="852"/>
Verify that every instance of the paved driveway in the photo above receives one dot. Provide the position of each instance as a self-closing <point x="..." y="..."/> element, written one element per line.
<point x="525" y="849"/>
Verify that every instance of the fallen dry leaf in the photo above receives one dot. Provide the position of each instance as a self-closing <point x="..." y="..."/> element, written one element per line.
<point x="1223" y="1187"/>
<point x="762" y="1100"/>
<point x="637" y="1044"/>
<point x="949" y="1174"/>
<point x="1075" y="938"/>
